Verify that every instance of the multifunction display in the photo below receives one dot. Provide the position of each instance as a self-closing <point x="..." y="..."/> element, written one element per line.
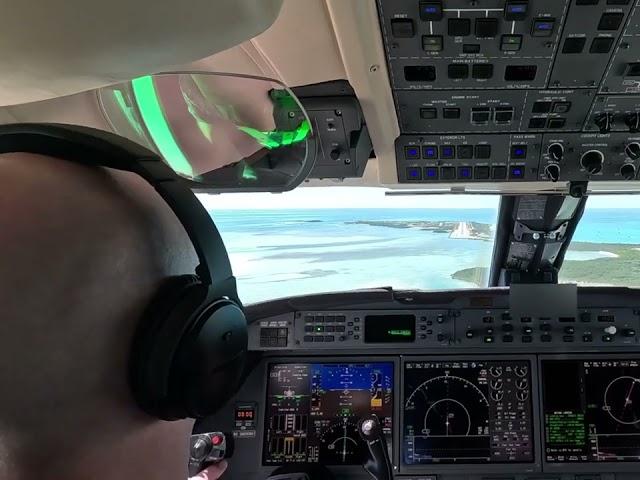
<point x="467" y="412"/>
<point x="591" y="410"/>
<point x="313" y="411"/>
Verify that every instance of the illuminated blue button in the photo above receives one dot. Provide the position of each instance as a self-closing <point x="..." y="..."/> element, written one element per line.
<point x="447" y="151"/>
<point x="519" y="151"/>
<point x="543" y="27"/>
<point x="464" y="173"/>
<point x="515" y="10"/>
<point x="431" y="173"/>
<point x="517" y="172"/>
<point x="430" y="152"/>
<point x="414" y="173"/>
<point x="431" y="10"/>
<point x="412" y="153"/>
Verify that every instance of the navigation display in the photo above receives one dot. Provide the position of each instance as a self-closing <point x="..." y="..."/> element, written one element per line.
<point x="591" y="410"/>
<point x="467" y="412"/>
<point x="313" y="411"/>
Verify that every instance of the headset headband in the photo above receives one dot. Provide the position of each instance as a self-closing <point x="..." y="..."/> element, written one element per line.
<point x="92" y="147"/>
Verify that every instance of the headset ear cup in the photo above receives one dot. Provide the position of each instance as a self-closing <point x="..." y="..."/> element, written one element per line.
<point x="151" y="358"/>
<point x="189" y="351"/>
<point x="210" y="364"/>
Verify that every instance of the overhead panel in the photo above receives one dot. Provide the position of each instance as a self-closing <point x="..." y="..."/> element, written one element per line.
<point x="506" y="91"/>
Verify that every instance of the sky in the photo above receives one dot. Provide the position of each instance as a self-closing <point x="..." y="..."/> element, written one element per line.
<point x="365" y="197"/>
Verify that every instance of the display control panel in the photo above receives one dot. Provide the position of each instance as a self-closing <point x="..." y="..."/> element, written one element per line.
<point x="514" y="72"/>
<point x="464" y="328"/>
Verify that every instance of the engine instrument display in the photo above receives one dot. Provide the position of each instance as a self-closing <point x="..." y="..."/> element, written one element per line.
<point x="591" y="410"/>
<point x="467" y="412"/>
<point x="313" y="411"/>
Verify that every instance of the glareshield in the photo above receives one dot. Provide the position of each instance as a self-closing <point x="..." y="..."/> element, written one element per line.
<point x="222" y="132"/>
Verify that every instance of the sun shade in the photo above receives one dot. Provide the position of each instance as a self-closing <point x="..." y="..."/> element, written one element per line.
<point x="222" y="132"/>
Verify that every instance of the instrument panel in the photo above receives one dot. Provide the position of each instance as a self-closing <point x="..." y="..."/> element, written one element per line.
<point x="313" y="410"/>
<point x="486" y="390"/>
<point x="485" y="91"/>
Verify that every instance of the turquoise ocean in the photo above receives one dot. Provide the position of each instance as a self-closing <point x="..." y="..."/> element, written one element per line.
<point x="279" y="253"/>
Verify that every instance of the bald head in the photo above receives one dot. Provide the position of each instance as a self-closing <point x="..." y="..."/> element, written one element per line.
<point x="83" y="251"/>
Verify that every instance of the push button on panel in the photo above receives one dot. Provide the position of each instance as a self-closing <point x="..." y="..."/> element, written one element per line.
<point x="543" y="27"/>
<point x="601" y="45"/>
<point x="431" y="173"/>
<point x="503" y="115"/>
<point x="458" y="71"/>
<point x="518" y="151"/>
<point x="447" y="151"/>
<point x="430" y="10"/>
<point x="499" y="173"/>
<point x="465" y="173"/>
<point x="511" y="43"/>
<point x="414" y="174"/>
<point x="516" y="172"/>
<point x="610" y="21"/>
<point x="486" y="27"/>
<point x="516" y="10"/>
<point x="459" y="27"/>
<point x="430" y="152"/>
<point x="403" y="28"/>
<point x="557" y="122"/>
<point x="480" y="115"/>
<point x="574" y="45"/>
<point x="465" y="152"/>
<point x="561" y="107"/>
<point x="450" y="113"/>
<point x="429" y="113"/>
<point x="483" y="152"/>
<point x="432" y="43"/>
<point x="412" y="153"/>
<point x="448" y="173"/>
<point x="542" y="107"/>
<point x="482" y="173"/>
<point x="482" y="71"/>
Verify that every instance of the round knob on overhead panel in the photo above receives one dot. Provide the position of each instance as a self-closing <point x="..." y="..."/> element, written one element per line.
<point x="556" y="151"/>
<point x="603" y="122"/>
<point x="632" y="150"/>
<point x="553" y="172"/>
<point x="611" y="330"/>
<point x="632" y="120"/>
<point x="335" y="154"/>
<point x="628" y="171"/>
<point x="592" y="161"/>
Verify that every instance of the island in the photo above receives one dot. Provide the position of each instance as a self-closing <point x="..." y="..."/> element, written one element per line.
<point x="458" y="230"/>
<point x="619" y="264"/>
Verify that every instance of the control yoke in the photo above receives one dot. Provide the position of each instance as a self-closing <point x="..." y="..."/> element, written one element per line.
<point x="378" y="464"/>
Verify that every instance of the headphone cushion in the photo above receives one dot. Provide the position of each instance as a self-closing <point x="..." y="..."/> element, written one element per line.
<point x="189" y="352"/>
<point x="158" y="337"/>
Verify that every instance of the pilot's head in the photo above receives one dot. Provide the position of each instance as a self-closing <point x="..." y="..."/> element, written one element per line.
<point x="83" y="251"/>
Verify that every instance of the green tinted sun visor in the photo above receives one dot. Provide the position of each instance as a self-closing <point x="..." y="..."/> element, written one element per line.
<point x="223" y="132"/>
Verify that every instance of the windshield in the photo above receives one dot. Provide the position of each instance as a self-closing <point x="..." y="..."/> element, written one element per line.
<point x="317" y="240"/>
<point x="606" y="246"/>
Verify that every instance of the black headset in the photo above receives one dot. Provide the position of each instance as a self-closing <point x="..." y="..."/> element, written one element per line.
<point x="188" y="352"/>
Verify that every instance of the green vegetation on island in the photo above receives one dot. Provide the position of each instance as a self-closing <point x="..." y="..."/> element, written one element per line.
<point x="618" y="265"/>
